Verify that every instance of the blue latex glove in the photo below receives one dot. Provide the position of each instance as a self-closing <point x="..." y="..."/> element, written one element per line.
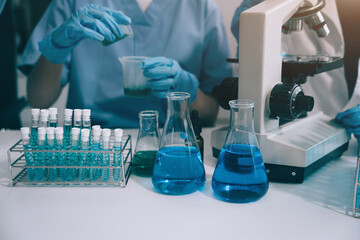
<point x="350" y="119"/>
<point x="91" y="21"/>
<point x="166" y="75"/>
<point x="246" y="4"/>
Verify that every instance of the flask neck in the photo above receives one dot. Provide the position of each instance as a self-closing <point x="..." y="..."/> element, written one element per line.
<point x="178" y="106"/>
<point x="178" y="129"/>
<point x="148" y="124"/>
<point x="241" y="130"/>
<point x="242" y="118"/>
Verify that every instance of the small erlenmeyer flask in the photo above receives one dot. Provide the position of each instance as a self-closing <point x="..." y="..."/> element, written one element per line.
<point x="147" y="143"/>
<point x="240" y="174"/>
<point x="178" y="168"/>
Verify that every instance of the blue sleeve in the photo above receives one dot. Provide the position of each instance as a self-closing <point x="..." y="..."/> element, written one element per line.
<point x="246" y="4"/>
<point x="57" y="12"/>
<point x="216" y="50"/>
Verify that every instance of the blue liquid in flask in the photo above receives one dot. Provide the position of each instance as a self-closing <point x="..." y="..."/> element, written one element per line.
<point x="178" y="170"/>
<point x="240" y="175"/>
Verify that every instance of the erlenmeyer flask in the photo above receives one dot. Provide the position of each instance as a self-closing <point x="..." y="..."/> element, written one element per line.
<point x="178" y="167"/>
<point x="147" y="143"/>
<point x="240" y="174"/>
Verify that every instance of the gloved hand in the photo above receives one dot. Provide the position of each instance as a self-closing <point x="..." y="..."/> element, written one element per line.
<point x="246" y="4"/>
<point x="350" y="119"/>
<point x="91" y="21"/>
<point x="166" y="75"/>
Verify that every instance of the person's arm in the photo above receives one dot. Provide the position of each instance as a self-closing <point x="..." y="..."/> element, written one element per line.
<point x="91" y="21"/>
<point x="44" y="83"/>
<point x="349" y="19"/>
<point x="207" y="107"/>
<point x="235" y="23"/>
<point x="214" y="66"/>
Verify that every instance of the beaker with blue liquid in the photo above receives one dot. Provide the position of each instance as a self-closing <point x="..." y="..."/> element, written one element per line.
<point x="178" y="166"/>
<point x="240" y="174"/>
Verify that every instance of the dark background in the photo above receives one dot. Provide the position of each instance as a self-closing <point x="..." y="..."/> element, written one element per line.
<point x="17" y="21"/>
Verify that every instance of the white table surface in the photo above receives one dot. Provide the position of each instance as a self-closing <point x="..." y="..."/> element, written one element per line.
<point x="319" y="208"/>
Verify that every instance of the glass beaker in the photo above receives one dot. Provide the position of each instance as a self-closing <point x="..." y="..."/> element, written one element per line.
<point x="178" y="167"/>
<point x="240" y="174"/>
<point x="147" y="143"/>
<point x="134" y="80"/>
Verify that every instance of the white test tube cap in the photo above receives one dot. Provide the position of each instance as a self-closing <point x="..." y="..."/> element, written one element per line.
<point x="35" y="112"/>
<point x="50" y="132"/>
<point x="96" y="134"/>
<point x="86" y="113"/>
<point x="44" y="114"/>
<point x="75" y="132"/>
<point x="118" y="134"/>
<point x="106" y="132"/>
<point x="85" y="134"/>
<point x="59" y="133"/>
<point x="96" y="127"/>
<point x="68" y="114"/>
<point x="77" y="114"/>
<point x="41" y="133"/>
<point x="25" y="132"/>
<point x="52" y="113"/>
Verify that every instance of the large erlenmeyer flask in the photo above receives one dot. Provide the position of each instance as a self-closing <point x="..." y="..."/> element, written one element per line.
<point x="240" y="174"/>
<point x="178" y="167"/>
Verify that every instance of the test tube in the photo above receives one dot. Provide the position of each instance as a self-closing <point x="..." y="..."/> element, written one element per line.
<point x="53" y="117"/>
<point x="105" y="146"/>
<point x="77" y="118"/>
<point x="84" y="156"/>
<point x="117" y="156"/>
<point x="51" y="160"/>
<point x="86" y="121"/>
<point x="95" y="157"/>
<point x="29" y="160"/>
<point x="60" y="156"/>
<point x="35" y="122"/>
<point x="44" y="117"/>
<point x="41" y="156"/>
<point x="67" y="127"/>
<point x="73" y="160"/>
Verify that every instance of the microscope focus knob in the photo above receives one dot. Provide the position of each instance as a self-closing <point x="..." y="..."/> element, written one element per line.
<point x="304" y="103"/>
<point x="288" y="101"/>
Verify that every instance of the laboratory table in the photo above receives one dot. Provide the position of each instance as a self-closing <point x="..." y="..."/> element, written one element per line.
<point x="319" y="208"/>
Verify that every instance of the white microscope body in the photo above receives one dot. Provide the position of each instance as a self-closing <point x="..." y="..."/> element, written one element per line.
<point x="294" y="150"/>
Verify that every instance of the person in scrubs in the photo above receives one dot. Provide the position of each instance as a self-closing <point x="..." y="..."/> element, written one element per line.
<point x="335" y="90"/>
<point x="185" y="40"/>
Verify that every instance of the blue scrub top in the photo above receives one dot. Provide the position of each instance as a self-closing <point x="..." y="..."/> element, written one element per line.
<point x="189" y="31"/>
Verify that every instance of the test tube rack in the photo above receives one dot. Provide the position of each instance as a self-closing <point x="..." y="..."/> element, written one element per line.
<point x="18" y="170"/>
<point x="356" y="202"/>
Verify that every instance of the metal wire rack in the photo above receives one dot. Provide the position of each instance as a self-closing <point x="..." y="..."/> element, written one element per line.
<point x="19" y="170"/>
<point x="356" y="202"/>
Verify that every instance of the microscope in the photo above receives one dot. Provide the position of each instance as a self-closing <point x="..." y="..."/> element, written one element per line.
<point x="293" y="144"/>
